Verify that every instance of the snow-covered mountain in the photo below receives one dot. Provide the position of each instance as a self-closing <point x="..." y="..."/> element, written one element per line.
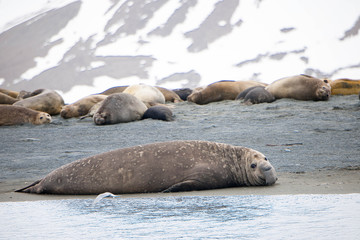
<point x="84" y="47"/>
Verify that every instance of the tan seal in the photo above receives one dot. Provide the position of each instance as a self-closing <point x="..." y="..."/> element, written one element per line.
<point x="43" y="100"/>
<point x="118" y="89"/>
<point x="6" y="99"/>
<point x="147" y="94"/>
<point x="160" y="167"/>
<point x="119" y="108"/>
<point x="81" y="107"/>
<point x="300" y="87"/>
<point x="10" y="93"/>
<point x="222" y="90"/>
<point x="15" y="115"/>
<point x="170" y="96"/>
<point x="345" y="87"/>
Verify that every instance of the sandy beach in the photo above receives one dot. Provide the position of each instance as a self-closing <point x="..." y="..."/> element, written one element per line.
<point x="314" y="146"/>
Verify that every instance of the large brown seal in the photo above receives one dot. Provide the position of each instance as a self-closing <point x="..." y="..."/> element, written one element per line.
<point x="44" y="100"/>
<point x="119" y="108"/>
<point x="300" y="87"/>
<point x="160" y="167"/>
<point x="345" y="86"/>
<point x="81" y="107"/>
<point x="222" y="90"/>
<point x="15" y="115"/>
<point x="147" y="94"/>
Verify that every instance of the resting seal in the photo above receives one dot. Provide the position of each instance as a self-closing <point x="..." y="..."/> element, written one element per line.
<point x="345" y="87"/>
<point x="43" y="100"/>
<point x="255" y="95"/>
<point x="81" y="107"/>
<point x="222" y="90"/>
<point x="160" y="167"/>
<point x="119" y="108"/>
<point x="147" y="94"/>
<point x="159" y="112"/>
<point x="300" y="87"/>
<point x="183" y="92"/>
<point x="6" y="99"/>
<point x="112" y="90"/>
<point x="10" y="93"/>
<point x="170" y="96"/>
<point x="15" y="115"/>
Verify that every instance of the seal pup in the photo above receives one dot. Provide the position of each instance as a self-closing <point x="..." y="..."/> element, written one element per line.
<point x="300" y="87"/>
<point x="345" y="86"/>
<point x="160" y="167"/>
<point x="119" y="108"/>
<point x="16" y="115"/>
<point x="147" y="94"/>
<point x="256" y="95"/>
<point x="183" y="93"/>
<point x="43" y="100"/>
<point x="81" y="107"/>
<point x="159" y="112"/>
<point x="222" y="90"/>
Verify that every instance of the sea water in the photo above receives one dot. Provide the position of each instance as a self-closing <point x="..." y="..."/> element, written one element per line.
<point x="186" y="217"/>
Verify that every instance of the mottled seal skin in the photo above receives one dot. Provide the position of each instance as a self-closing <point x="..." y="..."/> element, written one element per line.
<point x="170" y="96"/>
<point x="119" y="108"/>
<point x="300" y="87"/>
<point x="147" y="94"/>
<point x="15" y="115"/>
<point x="222" y="90"/>
<point x="118" y="89"/>
<point x="81" y="107"/>
<point x="43" y="100"/>
<point x="345" y="87"/>
<point x="6" y="99"/>
<point x="159" y="112"/>
<point x="160" y="167"/>
<point x="183" y="93"/>
<point x="256" y="95"/>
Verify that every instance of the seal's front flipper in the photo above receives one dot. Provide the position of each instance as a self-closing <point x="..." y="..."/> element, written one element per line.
<point x="188" y="185"/>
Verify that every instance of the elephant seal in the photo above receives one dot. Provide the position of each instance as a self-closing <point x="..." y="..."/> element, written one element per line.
<point x="15" y="115"/>
<point x="81" y="107"/>
<point x="170" y="96"/>
<point x="147" y="94"/>
<point x="6" y="99"/>
<point x="345" y="86"/>
<point x="159" y="112"/>
<point x="160" y="167"/>
<point x="119" y="108"/>
<point x="112" y="90"/>
<point x="43" y="100"/>
<point x="256" y="95"/>
<point x="222" y="90"/>
<point x="10" y="93"/>
<point x="300" y="87"/>
<point x="183" y="93"/>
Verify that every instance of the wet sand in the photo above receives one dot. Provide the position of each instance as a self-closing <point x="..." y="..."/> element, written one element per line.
<point x="314" y="146"/>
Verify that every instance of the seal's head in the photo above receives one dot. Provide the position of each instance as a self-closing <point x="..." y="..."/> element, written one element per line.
<point x="259" y="170"/>
<point x="323" y="92"/>
<point x="42" y="118"/>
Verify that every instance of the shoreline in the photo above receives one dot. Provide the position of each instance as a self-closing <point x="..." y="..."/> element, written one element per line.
<point x="341" y="181"/>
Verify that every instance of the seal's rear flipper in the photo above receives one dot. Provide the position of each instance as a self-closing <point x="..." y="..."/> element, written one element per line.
<point x="26" y="189"/>
<point x="188" y="185"/>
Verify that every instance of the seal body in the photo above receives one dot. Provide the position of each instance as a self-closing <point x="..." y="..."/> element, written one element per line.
<point x="119" y="108"/>
<point x="159" y="112"/>
<point x="222" y="90"/>
<point x="10" y="93"/>
<point x="300" y="87"/>
<point x="112" y="90"/>
<point x="255" y="95"/>
<point x="44" y="100"/>
<point x="160" y="167"/>
<point x="15" y="115"/>
<point x="81" y="107"/>
<point x="147" y="94"/>
<point x="6" y="99"/>
<point x="345" y="87"/>
<point x="170" y="96"/>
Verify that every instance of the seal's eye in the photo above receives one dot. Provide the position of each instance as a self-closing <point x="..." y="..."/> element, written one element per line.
<point x="253" y="165"/>
<point x="41" y="117"/>
<point x="266" y="159"/>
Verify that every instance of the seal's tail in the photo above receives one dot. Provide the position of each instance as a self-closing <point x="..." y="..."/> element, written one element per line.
<point x="27" y="189"/>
